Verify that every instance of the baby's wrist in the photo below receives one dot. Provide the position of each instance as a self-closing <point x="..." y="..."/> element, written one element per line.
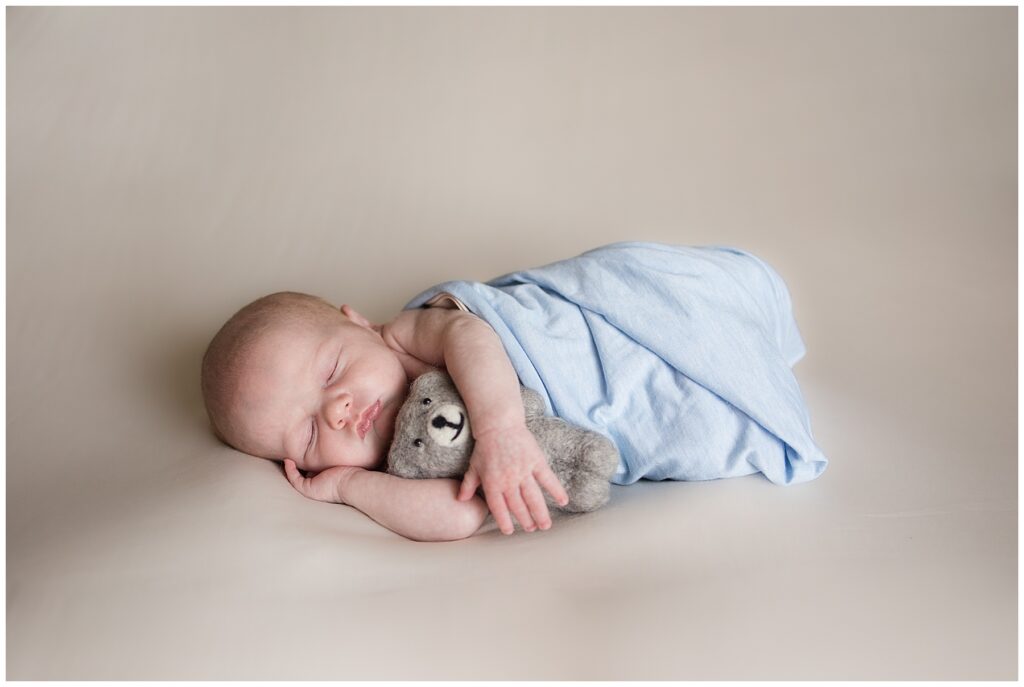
<point x="512" y="425"/>
<point x="344" y="482"/>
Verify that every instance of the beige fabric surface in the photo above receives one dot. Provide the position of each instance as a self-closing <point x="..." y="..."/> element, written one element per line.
<point x="165" y="166"/>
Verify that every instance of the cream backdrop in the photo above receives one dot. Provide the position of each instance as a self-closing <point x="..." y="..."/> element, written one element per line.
<point x="166" y="165"/>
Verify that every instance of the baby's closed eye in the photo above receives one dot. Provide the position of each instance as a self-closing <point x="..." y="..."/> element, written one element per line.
<point x="312" y="437"/>
<point x="334" y="372"/>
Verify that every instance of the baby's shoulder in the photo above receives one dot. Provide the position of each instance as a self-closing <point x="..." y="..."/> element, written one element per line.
<point x="421" y="333"/>
<point x="427" y="321"/>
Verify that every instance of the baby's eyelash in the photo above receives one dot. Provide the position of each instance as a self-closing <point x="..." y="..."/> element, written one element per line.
<point x="337" y="364"/>
<point x="312" y="436"/>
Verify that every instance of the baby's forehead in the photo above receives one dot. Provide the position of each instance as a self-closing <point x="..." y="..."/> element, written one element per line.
<point x="299" y="323"/>
<point x="301" y="337"/>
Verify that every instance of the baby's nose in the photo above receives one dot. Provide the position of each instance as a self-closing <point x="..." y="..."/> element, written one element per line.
<point x="338" y="410"/>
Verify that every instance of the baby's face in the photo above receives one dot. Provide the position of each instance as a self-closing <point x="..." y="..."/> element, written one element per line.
<point x="321" y="393"/>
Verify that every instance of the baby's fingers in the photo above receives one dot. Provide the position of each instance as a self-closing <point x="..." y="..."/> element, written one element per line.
<point x="519" y="509"/>
<point x="294" y="476"/>
<point x="549" y="481"/>
<point x="535" y="502"/>
<point x="498" y="508"/>
<point x="470" y="482"/>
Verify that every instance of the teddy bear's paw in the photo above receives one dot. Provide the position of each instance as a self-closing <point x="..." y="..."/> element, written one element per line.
<point x="599" y="456"/>
<point x="588" y="485"/>
<point x="587" y="492"/>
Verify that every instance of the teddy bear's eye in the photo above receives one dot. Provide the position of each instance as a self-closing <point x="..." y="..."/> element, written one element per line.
<point x="418" y="443"/>
<point x="427" y="401"/>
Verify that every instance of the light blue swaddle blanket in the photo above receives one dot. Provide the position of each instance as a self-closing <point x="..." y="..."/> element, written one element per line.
<point x="680" y="355"/>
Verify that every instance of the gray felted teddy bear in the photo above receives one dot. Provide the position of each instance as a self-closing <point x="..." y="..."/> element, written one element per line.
<point x="432" y="439"/>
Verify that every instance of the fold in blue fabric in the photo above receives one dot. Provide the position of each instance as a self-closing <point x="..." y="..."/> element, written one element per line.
<point x="680" y="355"/>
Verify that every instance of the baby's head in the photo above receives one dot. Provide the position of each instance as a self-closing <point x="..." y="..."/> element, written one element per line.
<point x="291" y="376"/>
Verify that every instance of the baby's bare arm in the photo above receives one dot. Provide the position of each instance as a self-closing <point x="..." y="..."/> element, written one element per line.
<point x="422" y="509"/>
<point x="506" y="459"/>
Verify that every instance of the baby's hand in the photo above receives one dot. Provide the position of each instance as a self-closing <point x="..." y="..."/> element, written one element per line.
<point x="512" y="468"/>
<point x="323" y="486"/>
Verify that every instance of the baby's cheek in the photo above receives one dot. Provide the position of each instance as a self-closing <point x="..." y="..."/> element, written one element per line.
<point x="384" y="427"/>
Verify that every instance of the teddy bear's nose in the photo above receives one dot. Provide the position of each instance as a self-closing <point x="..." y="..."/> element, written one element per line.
<point x="449" y="426"/>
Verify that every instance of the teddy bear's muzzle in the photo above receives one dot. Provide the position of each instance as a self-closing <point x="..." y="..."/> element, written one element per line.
<point x="449" y="426"/>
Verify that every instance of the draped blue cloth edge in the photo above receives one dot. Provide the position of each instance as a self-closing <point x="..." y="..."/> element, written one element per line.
<point x="681" y="355"/>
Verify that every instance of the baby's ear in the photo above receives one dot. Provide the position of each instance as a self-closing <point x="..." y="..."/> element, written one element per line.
<point x="351" y="313"/>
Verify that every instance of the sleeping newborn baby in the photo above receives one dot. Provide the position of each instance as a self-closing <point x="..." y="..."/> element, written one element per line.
<point x="289" y="377"/>
<point x="680" y="356"/>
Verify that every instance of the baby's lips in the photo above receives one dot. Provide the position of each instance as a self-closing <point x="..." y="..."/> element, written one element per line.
<point x="367" y="418"/>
